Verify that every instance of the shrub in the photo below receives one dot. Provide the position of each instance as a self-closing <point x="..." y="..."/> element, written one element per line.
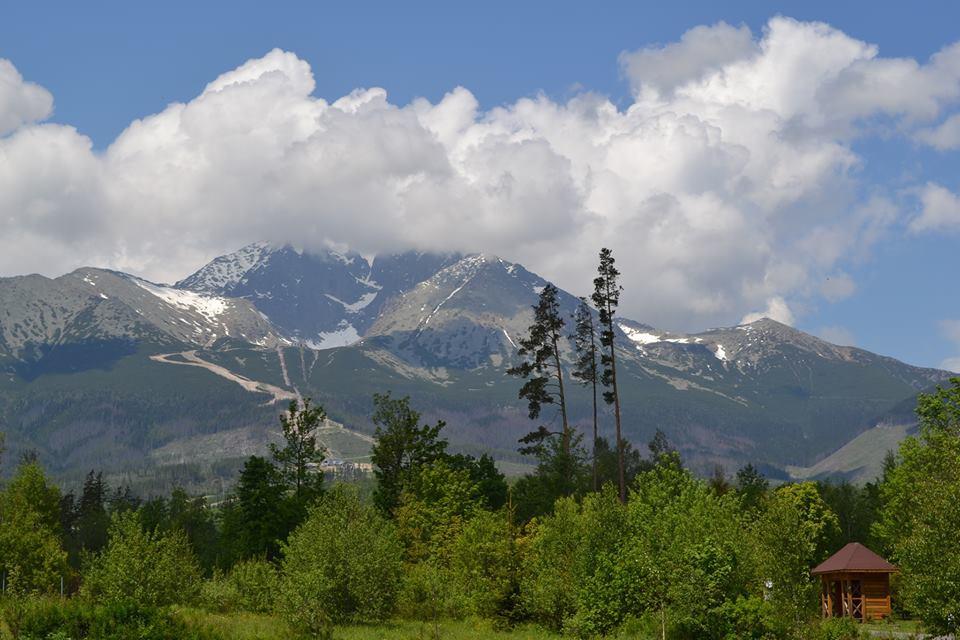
<point x="425" y="593"/>
<point x="80" y="619"/>
<point x="217" y="594"/>
<point x="148" y="568"/>
<point x="548" y="588"/>
<point x="342" y="564"/>
<point x="833" y="629"/>
<point x="678" y="557"/>
<point x="250" y="586"/>
<point x="747" y="618"/>
<point x="483" y="566"/>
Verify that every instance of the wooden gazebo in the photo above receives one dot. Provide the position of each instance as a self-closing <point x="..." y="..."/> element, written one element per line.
<point x="855" y="583"/>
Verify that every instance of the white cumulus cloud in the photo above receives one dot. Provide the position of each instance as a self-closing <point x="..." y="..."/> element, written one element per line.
<point x="21" y="102"/>
<point x="777" y="309"/>
<point x="838" y="286"/>
<point x="939" y="209"/>
<point x="729" y="184"/>
<point x="944" y="137"/>
<point x="701" y="50"/>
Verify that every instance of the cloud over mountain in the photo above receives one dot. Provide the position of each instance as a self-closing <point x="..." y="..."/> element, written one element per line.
<point x="20" y="102"/>
<point x="729" y="185"/>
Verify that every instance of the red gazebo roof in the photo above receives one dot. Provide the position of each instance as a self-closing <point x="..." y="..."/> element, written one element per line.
<point x="854" y="557"/>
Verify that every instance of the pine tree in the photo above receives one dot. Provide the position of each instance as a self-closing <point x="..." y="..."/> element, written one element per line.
<point x="606" y="298"/>
<point x="586" y="369"/>
<point x="544" y="373"/>
<point x="256" y="521"/>
<point x="94" y="522"/>
<point x="301" y="456"/>
<point x="122" y="500"/>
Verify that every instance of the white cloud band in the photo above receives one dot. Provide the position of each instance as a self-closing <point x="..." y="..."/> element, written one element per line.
<point x="727" y="185"/>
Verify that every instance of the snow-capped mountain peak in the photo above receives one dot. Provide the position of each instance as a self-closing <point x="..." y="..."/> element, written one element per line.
<point x="224" y="273"/>
<point x="324" y="298"/>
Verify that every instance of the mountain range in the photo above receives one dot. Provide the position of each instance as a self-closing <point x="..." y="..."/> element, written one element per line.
<point x="101" y="369"/>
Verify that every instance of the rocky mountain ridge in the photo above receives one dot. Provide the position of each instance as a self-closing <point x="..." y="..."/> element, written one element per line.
<point x="92" y="353"/>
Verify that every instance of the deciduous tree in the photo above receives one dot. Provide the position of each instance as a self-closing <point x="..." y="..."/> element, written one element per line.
<point x="342" y="564"/>
<point x="148" y="568"/>
<point x="31" y="555"/>
<point x="920" y="513"/>
<point x="402" y="446"/>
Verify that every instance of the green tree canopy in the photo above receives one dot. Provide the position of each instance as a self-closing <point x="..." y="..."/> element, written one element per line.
<point x="32" y="558"/>
<point x="791" y="536"/>
<point x="920" y="513"/>
<point x="436" y="503"/>
<point x="342" y="564"/>
<point x="149" y="568"/>
<point x="255" y="521"/>
<point x="402" y="447"/>
<point x="681" y="557"/>
<point x="300" y="457"/>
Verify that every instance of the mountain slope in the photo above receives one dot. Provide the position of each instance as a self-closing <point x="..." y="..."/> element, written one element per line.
<point x="83" y="315"/>
<point x="96" y="357"/>
<point x="467" y="315"/>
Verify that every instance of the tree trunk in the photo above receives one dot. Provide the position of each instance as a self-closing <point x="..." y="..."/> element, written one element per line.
<point x="596" y="471"/>
<point x="593" y="357"/>
<point x="565" y="442"/>
<point x="621" y="476"/>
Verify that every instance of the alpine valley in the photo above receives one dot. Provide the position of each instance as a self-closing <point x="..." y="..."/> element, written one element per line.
<point x="104" y="370"/>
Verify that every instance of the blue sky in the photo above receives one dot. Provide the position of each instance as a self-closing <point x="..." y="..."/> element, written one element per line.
<point x="123" y="61"/>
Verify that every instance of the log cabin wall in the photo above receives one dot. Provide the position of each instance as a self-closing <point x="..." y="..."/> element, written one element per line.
<point x="864" y="596"/>
<point x="876" y="595"/>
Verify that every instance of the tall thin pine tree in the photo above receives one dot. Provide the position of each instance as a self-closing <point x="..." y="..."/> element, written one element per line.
<point x="586" y="369"/>
<point x="544" y="373"/>
<point x="606" y="298"/>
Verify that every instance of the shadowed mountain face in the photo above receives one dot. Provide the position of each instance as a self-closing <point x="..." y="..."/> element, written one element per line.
<point x="99" y="368"/>
<point x="326" y="299"/>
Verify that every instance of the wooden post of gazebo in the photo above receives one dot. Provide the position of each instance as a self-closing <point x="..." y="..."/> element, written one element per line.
<point x="855" y="583"/>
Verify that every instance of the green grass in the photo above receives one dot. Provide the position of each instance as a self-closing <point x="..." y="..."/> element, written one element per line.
<point x="465" y="630"/>
<point x="249" y="626"/>
<point x="239" y="626"/>
<point x="894" y="627"/>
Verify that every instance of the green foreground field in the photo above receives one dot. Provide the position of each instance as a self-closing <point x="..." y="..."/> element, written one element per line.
<point x="247" y="626"/>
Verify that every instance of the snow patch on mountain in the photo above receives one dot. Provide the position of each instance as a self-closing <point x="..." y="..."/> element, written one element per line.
<point x="355" y="307"/>
<point x="210" y="307"/>
<point x="343" y="336"/>
<point x="453" y="293"/>
<point x="638" y="336"/>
